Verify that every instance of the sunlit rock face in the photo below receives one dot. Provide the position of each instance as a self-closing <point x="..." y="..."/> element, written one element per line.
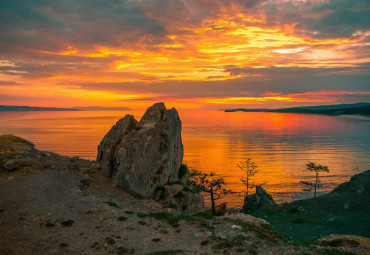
<point x="143" y="156"/>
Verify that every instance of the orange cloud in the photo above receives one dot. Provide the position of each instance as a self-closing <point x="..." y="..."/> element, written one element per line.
<point x="227" y="43"/>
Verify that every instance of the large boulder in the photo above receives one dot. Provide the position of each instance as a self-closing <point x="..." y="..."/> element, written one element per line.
<point x="111" y="140"/>
<point x="143" y="156"/>
<point x="261" y="200"/>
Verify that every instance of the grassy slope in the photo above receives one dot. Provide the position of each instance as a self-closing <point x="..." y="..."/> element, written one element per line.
<point x="345" y="210"/>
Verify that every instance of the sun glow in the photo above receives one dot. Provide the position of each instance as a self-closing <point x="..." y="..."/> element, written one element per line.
<point x="217" y="49"/>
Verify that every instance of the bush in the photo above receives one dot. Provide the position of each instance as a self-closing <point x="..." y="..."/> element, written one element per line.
<point x="302" y="219"/>
<point x="113" y="204"/>
<point x="183" y="171"/>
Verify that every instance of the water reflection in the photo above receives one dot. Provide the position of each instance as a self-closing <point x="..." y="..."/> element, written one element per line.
<point x="280" y="144"/>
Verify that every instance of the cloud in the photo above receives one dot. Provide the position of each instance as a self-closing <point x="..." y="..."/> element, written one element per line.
<point x="255" y="82"/>
<point x="8" y="83"/>
<point x="184" y="48"/>
<point x="321" y="19"/>
<point x="45" y="25"/>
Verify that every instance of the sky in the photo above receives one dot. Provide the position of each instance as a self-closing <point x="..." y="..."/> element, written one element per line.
<point x="190" y="54"/>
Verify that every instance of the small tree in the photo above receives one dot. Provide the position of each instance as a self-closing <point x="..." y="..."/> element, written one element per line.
<point x="310" y="166"/>
<point x="250" y="169"/>
<point x="208" y="183"/>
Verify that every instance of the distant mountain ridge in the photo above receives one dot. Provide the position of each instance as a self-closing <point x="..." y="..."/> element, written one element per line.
<point x="15" y="108"/>
<point x="101" y="108"/>
<point x="337" y="109"/>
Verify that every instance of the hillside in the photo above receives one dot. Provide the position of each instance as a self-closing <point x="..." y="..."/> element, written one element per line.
<point x="345" y="210"/>
<point x="51" y="204"/>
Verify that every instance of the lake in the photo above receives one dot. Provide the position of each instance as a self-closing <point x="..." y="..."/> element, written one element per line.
<point x="214" y="141"/>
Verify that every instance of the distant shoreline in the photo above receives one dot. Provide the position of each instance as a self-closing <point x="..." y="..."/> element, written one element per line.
<point x="362" y="109"/>
<point x="5" y="108"/>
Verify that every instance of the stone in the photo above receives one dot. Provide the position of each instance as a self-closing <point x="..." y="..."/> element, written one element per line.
<point x="186" y="202"/>
<point x="111" y="140"/>
<point x="249" y="219"/>
<point x="141" y="157"/>
<point x="13" y="164"/>
<point x="171" y="191"/>
<point x="15" y="144"/>
<point x="86" y="181"/>
<point x="261" y="200"/>
<point x="192" y="203"/>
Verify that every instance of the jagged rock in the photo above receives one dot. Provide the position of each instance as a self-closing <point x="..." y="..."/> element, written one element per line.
<point x="172" y="191"/>
<point x="185" y="201"/>
<point x="111" y="140"/>
<point x="140" y="157"/>
<point x="260" y="200"/>
<point x="192" y="203"/>
<point x="12" y="145"/>
<point x="13" y="164"/>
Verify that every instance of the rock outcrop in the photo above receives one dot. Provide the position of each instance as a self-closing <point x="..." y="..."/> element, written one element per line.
<point x="260" y="200"/>
<point x="142" y="157"/>
<point x="14" y="150"/>
<point x="184" y="200"/>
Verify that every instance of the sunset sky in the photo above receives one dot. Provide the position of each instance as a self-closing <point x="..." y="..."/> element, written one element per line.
<point x="191" y="54"/>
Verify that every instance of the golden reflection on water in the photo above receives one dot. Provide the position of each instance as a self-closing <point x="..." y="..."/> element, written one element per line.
<point x="215" y="141"/>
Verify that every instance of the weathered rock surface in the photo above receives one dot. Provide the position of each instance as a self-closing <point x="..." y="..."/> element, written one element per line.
<point x="13" y="151"/>
<point x="185" y="201"/>
<point x="107" y="146"/>
<point x="260" y="200"/>
<point x="140" y="157"/>
<point x="144" y="158"/>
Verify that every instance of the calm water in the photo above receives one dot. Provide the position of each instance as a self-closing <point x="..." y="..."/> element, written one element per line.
<point x="279" y="143"/>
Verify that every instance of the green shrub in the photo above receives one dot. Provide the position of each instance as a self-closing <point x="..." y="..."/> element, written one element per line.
<point x="293" y="209"/>
<point x="141" y="215"/>
<point x="173" y="206"/>
<point x="122" y="218"/>
<point x="302" y="219"/>
<point x="183" y="171"/>
<point x="113" y="204"/>
<point x="124" y="250"/>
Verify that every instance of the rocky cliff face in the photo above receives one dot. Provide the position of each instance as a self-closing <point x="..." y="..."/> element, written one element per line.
<point x="143" y="156"/>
